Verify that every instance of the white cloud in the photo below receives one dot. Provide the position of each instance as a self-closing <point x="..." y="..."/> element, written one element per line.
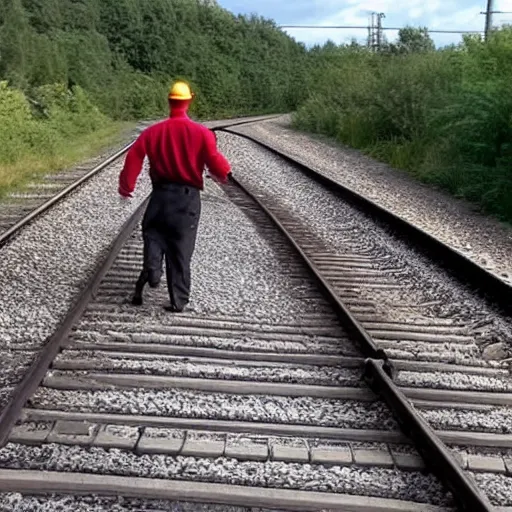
<point x="435" y="14"/>
<point x="503" y="5"/>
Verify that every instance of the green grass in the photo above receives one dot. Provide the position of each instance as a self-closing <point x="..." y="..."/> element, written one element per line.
<point x="55" y="130"/>
<point x="32" y="166"/>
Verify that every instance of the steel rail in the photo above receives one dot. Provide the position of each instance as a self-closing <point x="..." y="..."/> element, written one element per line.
<point x="486" y="284"/>
<point x="356" y="330"/>
<point x="38" y="368"/>
<point x="7" y="235"/>
<point x="433" y="451"/>
<point x="378" y="373"/>
<point x="40" y="365"/>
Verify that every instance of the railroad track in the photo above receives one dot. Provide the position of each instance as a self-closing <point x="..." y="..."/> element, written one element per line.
<point x="437" y="360"/>
<point x="259" y="404"/>
<point x="21" y="207"/>
<point x="251" y="407"/>
<point x="490" y="286"/>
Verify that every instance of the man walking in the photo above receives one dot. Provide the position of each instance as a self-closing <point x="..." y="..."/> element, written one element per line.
<point x="178" y="150"/>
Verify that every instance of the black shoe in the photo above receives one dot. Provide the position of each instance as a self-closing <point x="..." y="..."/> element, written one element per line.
<point x="136" y="300"/>
<point x="174" y="309"/>
<point x="139" y="289"/>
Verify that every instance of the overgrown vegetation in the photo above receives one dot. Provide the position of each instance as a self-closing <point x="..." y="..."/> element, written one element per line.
<point x="124" y="53"/>
<point x="56" y="129"/>
<point x="73" y="68"/>
<point x="444" y="116"/>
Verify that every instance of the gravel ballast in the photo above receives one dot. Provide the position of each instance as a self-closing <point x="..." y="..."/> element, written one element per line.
<point x="387" y="483"/>
<point x="235" y="271"/>
<point x="239" y="271"/>
<point x="220" y="406"/>
<point x="456" y="381"/>
<point x="14" y="502"/>
<point x="243" y="296"/>
<point x="497" y="420"/>
<point x="424" y="291"/>
<point x="455" y="222"/>
<point x="498" y="488"/>
<point x="46" y="266"/>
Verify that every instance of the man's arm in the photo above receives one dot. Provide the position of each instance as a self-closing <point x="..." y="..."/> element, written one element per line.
<point x="132" y="166"/>
<point x="216" y="162"/>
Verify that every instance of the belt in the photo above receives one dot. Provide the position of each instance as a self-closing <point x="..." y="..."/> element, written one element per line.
<point x="173" y="186"/>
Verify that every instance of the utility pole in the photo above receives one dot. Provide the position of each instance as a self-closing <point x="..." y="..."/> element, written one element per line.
<point x="371" y="32"/>
<point x="379" y="30"/>
<point x="375" y="31"/>
<point x="488" y="18"/>
<point x="369" y="41"/>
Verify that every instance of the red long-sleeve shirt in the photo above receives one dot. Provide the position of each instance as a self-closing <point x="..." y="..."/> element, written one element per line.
<point x="178" y="150"/>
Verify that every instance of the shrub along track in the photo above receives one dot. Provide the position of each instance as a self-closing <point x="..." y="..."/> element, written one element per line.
<point x="248" y="410"/>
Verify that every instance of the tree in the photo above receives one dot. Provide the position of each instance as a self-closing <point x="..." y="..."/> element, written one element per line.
<point x="412" y="40"/>
<point x="124" y="53"/>
<point x="15" y="43"/>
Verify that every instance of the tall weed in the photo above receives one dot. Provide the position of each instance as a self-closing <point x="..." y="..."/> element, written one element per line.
<point x="44" y="132"/>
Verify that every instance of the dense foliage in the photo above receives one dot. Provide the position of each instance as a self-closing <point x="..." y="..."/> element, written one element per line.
<point x="445" y="116"/>
<point x="69" y="67"/>
<point x="123" y="53"/>
<point x="55" y="129"/>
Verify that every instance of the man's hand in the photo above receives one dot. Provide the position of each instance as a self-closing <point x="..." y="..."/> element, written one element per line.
<point x="124" y="194"/>
<point x="124" y="197"/>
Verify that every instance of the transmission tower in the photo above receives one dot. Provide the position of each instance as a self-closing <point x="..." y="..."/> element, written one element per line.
<point x="375" y="32"/>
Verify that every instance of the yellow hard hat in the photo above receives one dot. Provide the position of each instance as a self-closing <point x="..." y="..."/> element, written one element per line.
<point x="180" y="91"/>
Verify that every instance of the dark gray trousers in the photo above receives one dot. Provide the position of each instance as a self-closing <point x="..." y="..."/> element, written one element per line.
<point x="169" y="229"/>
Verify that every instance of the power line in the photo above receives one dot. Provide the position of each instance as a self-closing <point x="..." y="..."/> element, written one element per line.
<point x="375" y="27"/>
<point x="360" y="27"/>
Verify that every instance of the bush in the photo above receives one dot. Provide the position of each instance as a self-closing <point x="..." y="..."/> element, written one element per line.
<point x="40" y="131"/>
<point x="20" y="133"/>
<point x="444" y="116"/>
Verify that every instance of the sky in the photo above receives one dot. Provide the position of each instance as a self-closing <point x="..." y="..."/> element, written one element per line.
<point x="435" y="14"/>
